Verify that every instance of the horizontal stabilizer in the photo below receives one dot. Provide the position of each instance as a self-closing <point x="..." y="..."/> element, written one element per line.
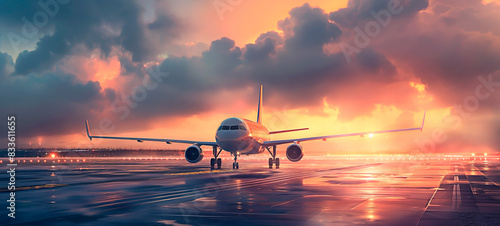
<point x="289" y="130"/>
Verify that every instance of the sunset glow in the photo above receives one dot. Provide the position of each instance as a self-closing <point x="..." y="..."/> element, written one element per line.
<point x="174" y="69"/>
<point x="105" y="72"/>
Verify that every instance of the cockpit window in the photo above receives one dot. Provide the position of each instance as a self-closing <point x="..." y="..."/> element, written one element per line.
<point x="233" y="127"/>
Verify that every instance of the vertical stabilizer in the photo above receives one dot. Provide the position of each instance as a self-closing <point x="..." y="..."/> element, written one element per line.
<point x="259" y="109"/>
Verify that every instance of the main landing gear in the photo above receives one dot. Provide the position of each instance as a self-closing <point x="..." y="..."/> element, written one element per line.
<point x="235" y="163"/>
<point x="273" y="160"/>
<point x="216" y="159"/>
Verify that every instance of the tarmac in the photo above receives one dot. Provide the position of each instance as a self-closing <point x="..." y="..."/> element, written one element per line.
<point x="338" y="190"/>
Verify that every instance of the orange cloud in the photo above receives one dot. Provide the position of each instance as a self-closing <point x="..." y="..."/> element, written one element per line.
<point x="94" y="68"/>
<point x="371" y="93"/>
<point x="245" y="21"/>
<point x="104" y="71"/>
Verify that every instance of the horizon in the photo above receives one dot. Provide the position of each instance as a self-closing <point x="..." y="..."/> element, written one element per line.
<point x="169" y="69"/>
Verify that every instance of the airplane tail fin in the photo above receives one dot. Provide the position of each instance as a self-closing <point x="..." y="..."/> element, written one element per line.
<point x="259" y="109"/>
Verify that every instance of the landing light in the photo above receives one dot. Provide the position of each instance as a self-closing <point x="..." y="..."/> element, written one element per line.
<point x="370" y="135"/>
<point x="53" y="155"/>
<point x="473" y="154"/>
<point x="485" y="154"/>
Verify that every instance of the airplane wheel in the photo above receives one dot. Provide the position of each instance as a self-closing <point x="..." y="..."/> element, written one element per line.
<point x="212" y="163"/>
<point x="270" y="163"/>
<point x="219" y="163"/>
<point x="277" y="163"/>
<point x="234" y="165"/>
<point x="237" y="165"/>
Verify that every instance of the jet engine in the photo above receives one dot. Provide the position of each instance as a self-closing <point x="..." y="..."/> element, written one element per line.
<point x="193" y="154"/>
<point x="294" y="152"/>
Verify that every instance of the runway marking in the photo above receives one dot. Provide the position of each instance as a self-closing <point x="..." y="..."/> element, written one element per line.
<point x="35" y="187"/>
<point x="360" y="204"/>
<point x="430" y="200"/>
<point x="293" y="200"/>
<point x="289" y="201"/>
<point x="246" y="184"/>
<point x="194" y="191"/>
<point x="456" y="193"/>
<point x="496" y="184"/>
<point x="199" y="172"/>
<point x="188" y="193"/>
<point x="223" y="214"/>
<point x="456" y="197"/>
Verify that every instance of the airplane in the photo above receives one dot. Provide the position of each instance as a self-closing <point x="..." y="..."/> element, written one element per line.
<point x="242" y="136"/>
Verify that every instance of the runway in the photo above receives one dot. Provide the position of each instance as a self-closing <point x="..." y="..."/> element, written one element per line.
<point x="315" y="191"/>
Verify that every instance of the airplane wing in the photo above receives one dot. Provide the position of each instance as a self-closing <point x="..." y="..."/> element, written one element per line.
<point x="138" y="139"/>
<point x="277" y="142"/>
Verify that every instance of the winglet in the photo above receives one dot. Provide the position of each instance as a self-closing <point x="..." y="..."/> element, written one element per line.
<point x="88" y="130"/>
<point x="423" y="120"/>
<point x="259" y="108"/>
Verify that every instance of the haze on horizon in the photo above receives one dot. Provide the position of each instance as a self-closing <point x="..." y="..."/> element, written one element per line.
<point x="176" y="69"/>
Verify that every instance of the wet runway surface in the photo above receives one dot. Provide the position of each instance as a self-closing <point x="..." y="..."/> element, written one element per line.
<point x="314" y="191"/>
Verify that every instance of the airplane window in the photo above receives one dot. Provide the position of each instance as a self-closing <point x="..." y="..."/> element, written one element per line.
<point x="220" y="127"/>
<point x="225" y="127"/>
<point x="242" y="127"/>
<point x="234" y="127"/>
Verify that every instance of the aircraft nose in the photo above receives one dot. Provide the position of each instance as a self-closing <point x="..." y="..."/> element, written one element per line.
<point x="230" y="135"/>
<point x="232" y="141"/>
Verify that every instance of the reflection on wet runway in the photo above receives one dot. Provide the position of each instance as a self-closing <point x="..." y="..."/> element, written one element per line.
<point x="315" y="191"/>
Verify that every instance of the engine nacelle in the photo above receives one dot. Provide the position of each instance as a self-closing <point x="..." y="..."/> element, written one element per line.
<point x="294" y="152"/>
<point x="193" y="154"/>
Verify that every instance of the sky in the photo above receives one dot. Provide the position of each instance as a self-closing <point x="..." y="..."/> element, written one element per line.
<point x="176" y="69"/>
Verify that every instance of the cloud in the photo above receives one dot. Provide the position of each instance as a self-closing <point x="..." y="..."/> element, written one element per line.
<point x="96" y="25"/>
<point x="448" y="59"/>
<point x="294" y="68"/>
<point x="308" y="28"/>
<point x="442" y="47"/>
<point x="261" y="50"/>
<point x="222" y="56"/>
<point x="50" y="104"/>
<point x="358" y="11"/>
<point x="6" y="64"/>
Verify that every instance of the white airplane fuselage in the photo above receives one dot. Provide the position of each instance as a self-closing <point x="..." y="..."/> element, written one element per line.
<point x="241" y="136"/>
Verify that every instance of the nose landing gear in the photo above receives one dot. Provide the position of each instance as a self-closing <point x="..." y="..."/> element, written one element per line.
<point x="235" y="163"/>
<point x="273" y="160"/>
<point x="216" y="159"/>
